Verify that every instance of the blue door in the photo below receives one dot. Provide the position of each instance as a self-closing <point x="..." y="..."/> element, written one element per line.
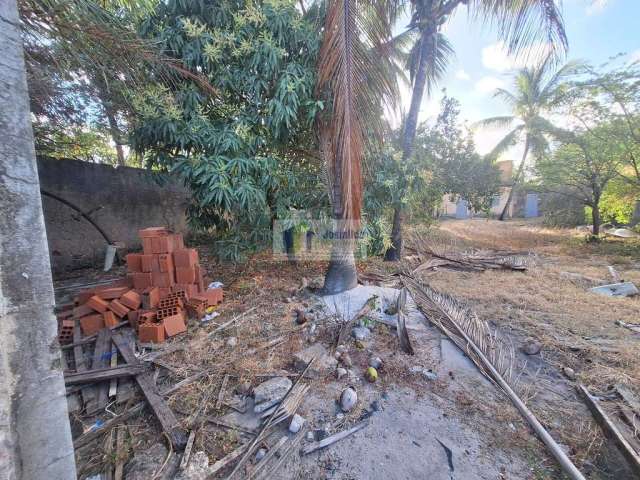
<point x="531" y="206"/>
<point x="462" y="210"/>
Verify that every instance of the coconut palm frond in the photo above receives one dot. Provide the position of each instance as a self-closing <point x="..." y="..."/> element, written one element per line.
<point x="507" y="142"/>
<point x="504" y="121"/>
<point x="463" y="327"/>
<point x="440" y="54"/>
<point x="524" y="23"/>
<point x="90" y="34"/>
<point x="350" y="72"/>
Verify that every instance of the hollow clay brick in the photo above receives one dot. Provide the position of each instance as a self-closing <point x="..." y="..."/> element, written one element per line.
<point x="142" y="281"/>
<point x="174" y="325"/>
<point x="97" y="304"/>
<point x="147" y="317"/>
<point x="132" y="318"/>
<point x="153" y="232"/>
<point x="151" y="333"/>
<point x="163" y="280"/>
<point x="110" y="319"/>
<point x="150" y="298"/>
<point x="165" y="261"/>
<point x="118" y="308"/>
<point x="91" y="324"/>
<point x="134" y="262"/>
<point x="185" y="275"/>
<point x="131" y="300"/>
<point x="111" y="292"/>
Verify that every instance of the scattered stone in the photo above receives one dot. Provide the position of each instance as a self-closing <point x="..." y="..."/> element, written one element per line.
<point x="625" y="289"/>
<point x="372" y="374"/>
<point x="270" y="393"/>
<point x="345" y="359"/>
<point x="425" y="372"/>
<point x="361" y="333"/>
<point x="569" y="373"/>
<point x="348" y="399"/>
<point x="296" y="423"/>
<point x="341" y="349"/>
<point x="197" y="468"/>
<point x="301" y="316"/>
<point x="260" y="454"/>
<point x="375" y="362"/>
<point x="323" y="363"/>
<point x="232" y="342"/>
<point x="311" y="437"/>
<point x="244" y="388"/>
<point x="341" y="372"/>
<point x="532" y="347"/>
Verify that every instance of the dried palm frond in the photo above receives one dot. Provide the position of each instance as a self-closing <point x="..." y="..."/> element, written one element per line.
<point x="357" y="80"/>
<point x="461" y="324"/>
<point x="491" y="354"/>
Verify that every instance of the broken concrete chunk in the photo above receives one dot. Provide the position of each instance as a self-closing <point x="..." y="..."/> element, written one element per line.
<point x="626" y="289"/>
<point x="324" y="363"/>
<point x="270" y="392"/>
<point x="360" y="333"/>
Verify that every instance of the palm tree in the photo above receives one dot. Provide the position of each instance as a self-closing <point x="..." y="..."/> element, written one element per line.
<point x="354" y="72"/>
<point x="536" y="94"/>
<point x="520" y="22"/>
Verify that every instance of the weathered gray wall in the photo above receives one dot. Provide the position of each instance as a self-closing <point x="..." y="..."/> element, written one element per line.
<point x="122" y="200"/>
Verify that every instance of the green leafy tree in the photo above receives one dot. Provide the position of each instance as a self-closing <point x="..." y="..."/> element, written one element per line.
<point x="520" y="23"/>
<point x="537" y="93"/>
<point x="241" y="150"/>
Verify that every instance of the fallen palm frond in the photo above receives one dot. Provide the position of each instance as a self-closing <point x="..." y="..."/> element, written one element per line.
<point x="492" y="355"/>
<point x="433" y="256"/>
<point x="403" y="335"/>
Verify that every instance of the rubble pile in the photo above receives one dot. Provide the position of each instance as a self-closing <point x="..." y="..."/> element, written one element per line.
<point x="163" y="287"/>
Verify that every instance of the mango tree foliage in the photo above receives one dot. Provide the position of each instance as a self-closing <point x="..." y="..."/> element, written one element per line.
<point x="243" y="149"/>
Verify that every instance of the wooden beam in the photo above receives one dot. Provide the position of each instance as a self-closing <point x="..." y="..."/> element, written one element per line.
<point x="611" y="431"/>
<point x="163" y="413"/>
<point x="103" y="374"/>
<point x="101" y="356"/>
<point x="92" y="435"/>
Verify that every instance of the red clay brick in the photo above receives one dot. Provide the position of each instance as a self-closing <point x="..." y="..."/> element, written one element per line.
<point x="91" y="324"/>
<point x="147" y="246"/>
<point x="163" y="279"/>
<point x="65" y="331"/>
<point x="196" y="307"/>
<point x="110" y="319"/>
<point x="142" y="281"/>
<point x="178" y="241"/>
<point x="164" y="291"/>
<point x="149" y="263"/>
<point x="168" y="311"/>
<point x="170" y="301"/>
<point x="118" y="308"/>
<point x="151" y="332"/>
<point x="185" y="258"/>
<point x="134" y="262"/>
<point x="189" y="289"/>
<point x="214" y="296"/>
<point x="185" y="275"/>
<point x="147" y="317"/>
<point x="132" y="317"/>
<point x="111" y="292"/>
<point x="174" y="325"/>
<point x="199" y="278"/>
<point x="129" y="280"/>
<point x="131" y="300"/>
<point x="98" y="304"/>
<point x="165" y="261"/>
<point x="153" y="232"/>
<point x="150" y="298"/>
<point x="82" y="310"/>
<point x="83" y="296"/>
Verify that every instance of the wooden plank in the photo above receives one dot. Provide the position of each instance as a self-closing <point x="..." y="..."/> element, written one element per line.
<point x="103" y="374"/>
<point x="92" y="435"/>
<point x="629" y="397"/>
<point x="88" y="393"/>
<point x="120" y="454"/>
<point x="113" y="385"/>
<point x="269" y="474"/>
<point x="163" y="413"/>
<point x="611" y="431"/>
<point x="312" y="447"/>
<point x="272" y="451"/>
<point x="92" y="338"/>
<point x="187" y="451"/>
<point x="100" y="360"/>
<point x="108" y="450"/>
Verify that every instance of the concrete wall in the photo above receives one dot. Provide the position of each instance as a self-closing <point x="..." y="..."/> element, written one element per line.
<point x="120" y="200"/>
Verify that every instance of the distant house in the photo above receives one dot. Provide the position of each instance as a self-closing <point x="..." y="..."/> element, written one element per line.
<point x="523" y="204"/>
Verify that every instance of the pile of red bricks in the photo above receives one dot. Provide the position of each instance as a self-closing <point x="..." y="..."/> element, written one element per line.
<point x="164" y="286"/>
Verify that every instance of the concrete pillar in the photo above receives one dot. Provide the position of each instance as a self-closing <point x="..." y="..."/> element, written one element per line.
<point x="35" y="438"/>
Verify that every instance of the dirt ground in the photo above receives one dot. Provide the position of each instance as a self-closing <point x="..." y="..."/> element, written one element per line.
<point x="456" y="426"/>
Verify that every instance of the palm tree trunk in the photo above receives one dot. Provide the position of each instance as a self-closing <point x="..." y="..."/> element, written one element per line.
<point x="408" y="137"/>
<point x="516" y="180"/>
<point x="596" y="219"/>
<point x="34" y="432"/>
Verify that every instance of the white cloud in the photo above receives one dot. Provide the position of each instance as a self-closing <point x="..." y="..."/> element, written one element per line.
<point x="488" y="84"/>
<point x="597" y="6"/>
<point x="462" y="75"/>
<point x="496" y="57"/>
<point x="634" y="56"/>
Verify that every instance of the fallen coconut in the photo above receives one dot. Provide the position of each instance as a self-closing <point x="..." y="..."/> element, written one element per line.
<point x="348" y="399"/>
<point x="372" y="374"/>
<point x="296" y="423"/>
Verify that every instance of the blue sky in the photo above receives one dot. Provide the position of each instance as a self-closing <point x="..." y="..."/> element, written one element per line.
<point x="597" y="30"/>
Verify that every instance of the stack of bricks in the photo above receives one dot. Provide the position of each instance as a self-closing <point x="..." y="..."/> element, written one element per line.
<point x="164" y="285"/>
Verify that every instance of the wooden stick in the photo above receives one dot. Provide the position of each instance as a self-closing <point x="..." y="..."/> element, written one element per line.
<point x="119" y="454"/>
<point x="292" y="446"/>
<point x="91" y="338"/>
<point x="101" y="356"/>
<point x="187" y="451"/>
<point x="611" y="431"/>
<point x="88" y="437"/>
<point x="272" y="451"/>
<point x="223" y="387"/>
<point x="267" y="424"/>
<point x="312" y="447"/>
<point x="226" y="324"/>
